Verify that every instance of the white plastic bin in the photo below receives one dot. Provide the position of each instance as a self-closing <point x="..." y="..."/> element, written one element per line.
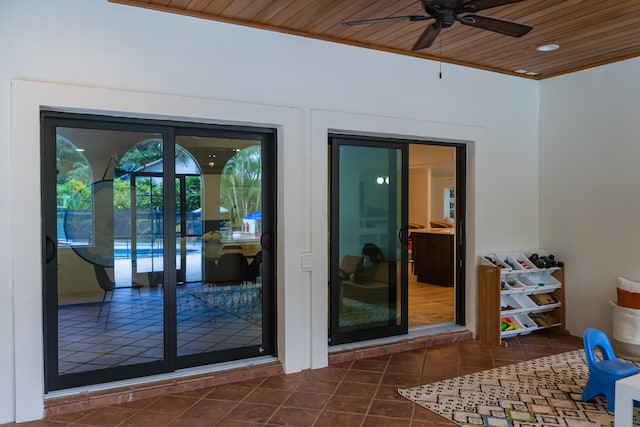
<point x="518" y="327"/>
<point x="528" y="324"/>
<point x="626" y="332"/>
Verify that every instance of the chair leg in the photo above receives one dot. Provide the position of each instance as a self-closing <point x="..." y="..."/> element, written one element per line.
<point x="101" y="306"/>
<point x="593" y="389"/>
<point x="106" y="324"/>
<point x="611" y="402"/>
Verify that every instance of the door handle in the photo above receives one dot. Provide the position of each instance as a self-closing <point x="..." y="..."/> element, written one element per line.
<point x="403" y="235"/>
<point x="265" y="240"/>
<point x="50" y="249"/>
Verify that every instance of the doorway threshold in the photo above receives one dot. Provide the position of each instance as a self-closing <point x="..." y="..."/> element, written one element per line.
<point x="417" y="338"/>
<point x="101" y="395"/>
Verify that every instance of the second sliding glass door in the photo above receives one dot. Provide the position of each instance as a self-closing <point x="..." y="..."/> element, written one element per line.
<point x="396" y="262"/>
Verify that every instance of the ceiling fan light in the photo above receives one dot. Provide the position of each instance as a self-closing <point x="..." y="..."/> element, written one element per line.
<point x="547" y="47"/>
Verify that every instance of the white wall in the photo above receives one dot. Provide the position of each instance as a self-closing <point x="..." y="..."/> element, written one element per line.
<point x="589" y="175"/>
<point x="107" y="57"/>
<point x="419" y="200"/>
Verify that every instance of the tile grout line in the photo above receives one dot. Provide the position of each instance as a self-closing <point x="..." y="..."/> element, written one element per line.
<point x="198" y="400"/>
<point x="324" y="407"/>
<point x="282" y="405"/>
<point x="240" y="401"/>
<point x="384" y="371"/>
<point x="421" y="381"/>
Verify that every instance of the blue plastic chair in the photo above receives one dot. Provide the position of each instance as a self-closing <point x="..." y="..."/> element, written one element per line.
<point x="604" y="373"/>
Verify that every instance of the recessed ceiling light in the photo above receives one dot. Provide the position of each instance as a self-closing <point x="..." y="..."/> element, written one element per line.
<point x="526" y="72"/>
<point x="548" y="47"/>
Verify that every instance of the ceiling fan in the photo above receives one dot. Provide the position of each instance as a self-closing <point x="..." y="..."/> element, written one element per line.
<point x="445" y="13"/>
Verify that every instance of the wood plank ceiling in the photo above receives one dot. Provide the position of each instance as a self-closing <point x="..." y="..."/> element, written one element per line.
<point x="589" y="32"/>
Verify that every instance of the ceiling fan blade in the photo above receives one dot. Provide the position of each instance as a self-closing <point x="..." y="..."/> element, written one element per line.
<point x="412" y="18"/>
<point x="427" y="37"/>
<point x="509" y="28"/>
<point x="478" y="5"/>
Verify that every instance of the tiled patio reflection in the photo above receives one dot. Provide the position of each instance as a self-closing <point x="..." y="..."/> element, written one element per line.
<point x="129" y="330"/>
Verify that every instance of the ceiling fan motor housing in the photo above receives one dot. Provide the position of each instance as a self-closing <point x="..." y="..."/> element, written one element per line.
<point x="442" y="10"/>
<point x="447" y="18"/>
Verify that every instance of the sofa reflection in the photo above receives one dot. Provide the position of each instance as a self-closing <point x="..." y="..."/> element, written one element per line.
<point x="367" y="281"/>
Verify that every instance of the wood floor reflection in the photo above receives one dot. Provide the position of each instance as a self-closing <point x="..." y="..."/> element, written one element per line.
<point x="429" y="304"/>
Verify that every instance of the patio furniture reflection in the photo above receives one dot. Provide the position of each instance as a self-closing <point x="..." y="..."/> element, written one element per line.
<point x="108" y="286"/>
<point x="231" y="268"/>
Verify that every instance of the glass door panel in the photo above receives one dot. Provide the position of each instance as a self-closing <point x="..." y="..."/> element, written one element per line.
<point x="221" y="313"/>
<point x="368" y="249"/>
<point x="105" y="316"/>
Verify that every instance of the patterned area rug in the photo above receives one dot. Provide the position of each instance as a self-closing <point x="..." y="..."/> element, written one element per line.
<point x="537" y="393"/>
<point x="356" y="314"/>
<point x="243" y="301"/>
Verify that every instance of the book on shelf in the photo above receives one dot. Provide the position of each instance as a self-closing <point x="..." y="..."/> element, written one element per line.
<point x="543" y="299"/>
<point x="544" y="319"/>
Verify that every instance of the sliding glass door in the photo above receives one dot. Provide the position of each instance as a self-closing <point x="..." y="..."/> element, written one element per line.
<point x="379" y="233"/>
<point x="368" y="239"/>
<point x="157" y="246"/>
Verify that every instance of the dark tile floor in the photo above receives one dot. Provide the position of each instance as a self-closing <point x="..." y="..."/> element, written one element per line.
<point x="357" y="393"/>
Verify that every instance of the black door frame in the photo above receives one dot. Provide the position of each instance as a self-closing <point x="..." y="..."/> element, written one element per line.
<point x="50" y="120"/>
<point x="461" y="232"/>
